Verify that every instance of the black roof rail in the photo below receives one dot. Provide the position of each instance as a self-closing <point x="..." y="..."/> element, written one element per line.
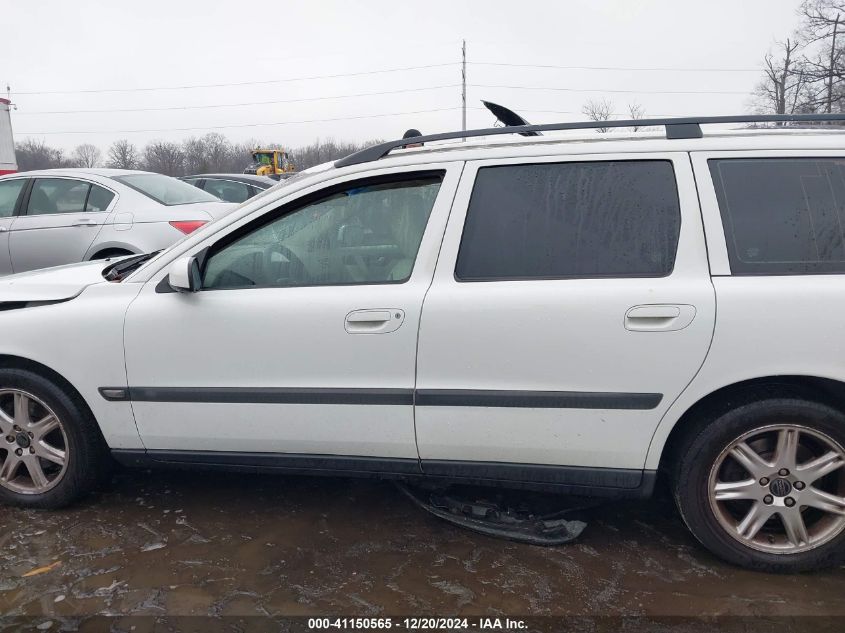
<point x="676" y="128"/>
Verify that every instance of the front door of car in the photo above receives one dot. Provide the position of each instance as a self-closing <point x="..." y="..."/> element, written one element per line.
<point x="303" y="337"/>
<point x="58" y="222"/>
<point x="571" y="305"/>
<point x="11" y="190"/>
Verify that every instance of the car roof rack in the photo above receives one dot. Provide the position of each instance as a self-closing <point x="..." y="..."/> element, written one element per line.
<point x="676" y="128"/>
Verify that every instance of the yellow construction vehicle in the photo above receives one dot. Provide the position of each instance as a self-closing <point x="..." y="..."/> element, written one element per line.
<point x="270" y="162"/>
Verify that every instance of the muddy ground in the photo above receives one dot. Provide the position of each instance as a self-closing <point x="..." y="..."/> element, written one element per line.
<point x="181" y="543"/>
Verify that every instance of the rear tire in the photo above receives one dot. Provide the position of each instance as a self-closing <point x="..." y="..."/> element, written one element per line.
<point x="746" y="487"/>
<point x="51" y="449"/>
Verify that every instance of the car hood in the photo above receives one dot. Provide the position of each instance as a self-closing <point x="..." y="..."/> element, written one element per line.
<point x="52" y="284"/>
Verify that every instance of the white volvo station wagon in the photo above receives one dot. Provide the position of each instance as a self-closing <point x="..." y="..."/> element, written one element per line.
<point x="573" y="314"/>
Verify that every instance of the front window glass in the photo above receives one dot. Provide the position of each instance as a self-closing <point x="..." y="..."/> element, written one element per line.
<point x="364" y="234"/>
<point x="164" y="189"/>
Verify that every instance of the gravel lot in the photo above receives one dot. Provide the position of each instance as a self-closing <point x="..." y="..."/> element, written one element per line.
<point x="175" y="543"/>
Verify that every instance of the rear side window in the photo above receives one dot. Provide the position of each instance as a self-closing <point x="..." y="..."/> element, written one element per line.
<point x="99" y="199"/>
<point x="570" y="220"/>
<point x="164" y="189"/>
<point x="782" y="215"/>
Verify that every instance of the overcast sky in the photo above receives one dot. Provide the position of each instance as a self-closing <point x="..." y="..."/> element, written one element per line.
<point x="60" y="55"/>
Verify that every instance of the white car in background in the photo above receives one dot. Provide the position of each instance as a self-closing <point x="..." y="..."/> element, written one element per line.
<point x="62" y="216"/>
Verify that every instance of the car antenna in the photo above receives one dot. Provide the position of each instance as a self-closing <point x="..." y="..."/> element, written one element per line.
<point x="508" y="117"/>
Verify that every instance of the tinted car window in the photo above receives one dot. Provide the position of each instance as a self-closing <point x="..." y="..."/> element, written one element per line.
<point x="365" y="234"/>
<point x="164" y="189"/>
<point x="782" y="215"/>
<point x="228" y="190"/>
<point x="57" y="195"/>
<point x="99" y="199"/>
<point x="9" y="192"/>
<point x="562" y="220"/>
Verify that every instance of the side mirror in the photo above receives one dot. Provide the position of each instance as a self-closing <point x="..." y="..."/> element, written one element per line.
<point x="184" y="275"/>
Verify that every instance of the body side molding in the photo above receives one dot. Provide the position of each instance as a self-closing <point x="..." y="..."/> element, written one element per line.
<point x="420" y="397"/>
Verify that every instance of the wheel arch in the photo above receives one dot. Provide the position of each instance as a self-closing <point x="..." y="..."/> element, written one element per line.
<point x="8" y="361"/>
<point x="824" y="390"/>
<point x="104" y="250"/>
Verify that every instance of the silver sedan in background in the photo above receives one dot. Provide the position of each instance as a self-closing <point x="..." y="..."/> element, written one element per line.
<point x="61" y="216"/>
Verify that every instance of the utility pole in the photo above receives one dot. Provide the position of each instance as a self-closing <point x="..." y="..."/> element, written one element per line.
<point x="830" y="70"/>
<point x="464" y="87"/>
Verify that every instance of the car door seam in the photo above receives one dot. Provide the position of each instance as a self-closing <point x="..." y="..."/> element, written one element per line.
<point x="422" y="306"/>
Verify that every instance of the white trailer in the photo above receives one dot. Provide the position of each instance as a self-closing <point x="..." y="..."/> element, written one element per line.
<point x="8" y="164"/>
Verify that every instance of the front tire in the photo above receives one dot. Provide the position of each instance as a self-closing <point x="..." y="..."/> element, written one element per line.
<point x="763" y="485"/>
<point x="51" y="450"/>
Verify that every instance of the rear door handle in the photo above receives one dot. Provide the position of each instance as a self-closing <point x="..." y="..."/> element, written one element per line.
<point x="380" y="321"/>
<point x="659" y="317"/>
<point x="84" y="222"/>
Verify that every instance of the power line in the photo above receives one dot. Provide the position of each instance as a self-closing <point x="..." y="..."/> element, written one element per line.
<point x="624" y="68"/>
<point x="239" y="83"/>
<point x="651" y="92"/>
<point x="578" y="112"/>
<point x="242" y="125"/>
<point x="246" y="103"/>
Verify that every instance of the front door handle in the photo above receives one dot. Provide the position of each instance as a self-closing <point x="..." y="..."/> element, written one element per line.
<point x="374" y="321"/>
<point x="659" y="317"/>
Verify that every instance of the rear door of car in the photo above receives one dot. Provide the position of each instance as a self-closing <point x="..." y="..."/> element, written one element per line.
<point x="58" y="222"/>
<point x="12" y="190"/>
<point x="571" y="305"/>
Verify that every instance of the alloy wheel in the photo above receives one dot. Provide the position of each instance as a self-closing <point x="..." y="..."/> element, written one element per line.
<point x="33" y="444"/>
<point x="780" y="489"/>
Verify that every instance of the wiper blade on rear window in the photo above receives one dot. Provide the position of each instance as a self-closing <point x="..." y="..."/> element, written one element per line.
<point x="119" y="270"/>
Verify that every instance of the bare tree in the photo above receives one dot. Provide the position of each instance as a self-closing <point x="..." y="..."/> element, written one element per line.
<point x="211" y="152"/>
<point x="36" y="154"/>
<point x="636" y="112"/>
<point x="785" y="88"/>
<point x="195" y="160"/>
<point x="164" y="157"/>
<point x="123" y="155"/>
<point x="323" y="151"/>
<point x="86" y="155"/>
<point x="823" y="29"/>
<point x="217" y="151"/>
<point x="599" y="110"/>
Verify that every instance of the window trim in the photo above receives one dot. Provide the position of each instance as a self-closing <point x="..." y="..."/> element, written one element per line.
<point x="308" y="199"/>
<point x="23" y="208"/>
<point x="727" y="219"/>
<point x="580" y="159"/>
<point x="22" y="194"/>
